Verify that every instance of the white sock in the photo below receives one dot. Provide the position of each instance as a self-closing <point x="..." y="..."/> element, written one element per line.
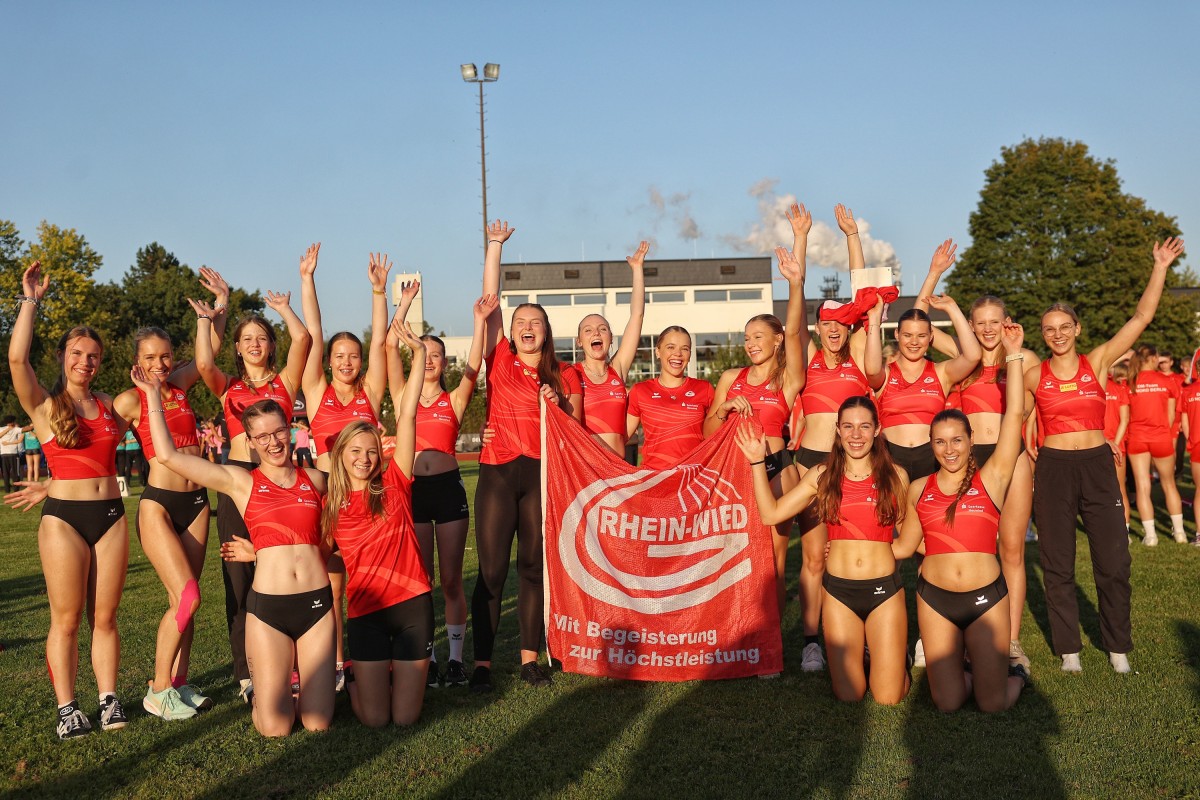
<point x="433" y="656"/>
<point x="1148" y="524"/>
<point x="1177" y="523"/>
<point x="455" y="634"/>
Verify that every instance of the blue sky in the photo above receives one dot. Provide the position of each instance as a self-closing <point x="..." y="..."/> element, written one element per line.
<point x="235" y="134"/>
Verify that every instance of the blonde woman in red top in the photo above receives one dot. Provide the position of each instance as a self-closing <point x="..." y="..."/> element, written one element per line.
<point x="1075" y="477"/>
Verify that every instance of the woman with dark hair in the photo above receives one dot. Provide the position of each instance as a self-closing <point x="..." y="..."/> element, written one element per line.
<point x="1116" y="424"/>
<point x="962" y="597"/>
<point x="82" y="538"/>
<point x="1074" y="475"/>
<point x="1153" y="411"/>
<point x="858" y="494"/>
<point x="439" y="496"/>
<point x="256" y="379"/>
<point x="769" y="386"/>
<point x="368" y="515"/>
<point x="522" y="371"/>
<point x="671" y="407"/>
<point x="172" y="518"/>
<point x="349" y="394"/>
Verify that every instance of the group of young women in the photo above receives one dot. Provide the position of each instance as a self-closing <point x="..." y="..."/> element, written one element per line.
<point x="875" y="450"/>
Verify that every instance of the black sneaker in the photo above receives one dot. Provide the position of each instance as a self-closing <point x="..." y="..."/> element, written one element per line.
<point x="72" y="723"/>
<point x="481" y="680"/>
<point x="112" y="716"/>
<point x="433" y="680"/>
<point x="1019" y="671"/>
<point x="533" y="674"/>
<point x="455" y="674"/>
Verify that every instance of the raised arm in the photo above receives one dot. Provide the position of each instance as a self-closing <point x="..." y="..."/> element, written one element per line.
<point x="293" y="368"/>
<point x="498" y="233"/>
<point x="1165" y="254"/>
<point x="406" y="404"/>
<point x="375" y="383"/>
<point x="185" y="375"/>
<point x="963" y="364"/>
<point x="943" y="259"/>
<point x="460" y="398"/>
<point x="632" y="334"/>
<point x="313" y="377"/>
<point x="801" y="221"/>
<point x="395" y="363"/>
<point x="854" y="248"/>
<point x="25" y="383"/>
<point x="998" y="471"/>
<point x="795" y="323"/>
<point x="772" y="511"/>
<point x="872" y="365"/>
<point x="206" y="357"/>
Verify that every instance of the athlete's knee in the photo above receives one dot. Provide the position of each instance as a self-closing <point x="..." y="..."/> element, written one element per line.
<point x="452" y="583"/>
<point x="189" y="601"/>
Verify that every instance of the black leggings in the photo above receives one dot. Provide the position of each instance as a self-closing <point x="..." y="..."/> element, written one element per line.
<point x="238" y="575"/>
<point x="508" y="501"/>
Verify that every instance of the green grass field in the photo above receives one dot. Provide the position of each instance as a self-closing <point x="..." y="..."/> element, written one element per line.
<point x="1092" y="735"/>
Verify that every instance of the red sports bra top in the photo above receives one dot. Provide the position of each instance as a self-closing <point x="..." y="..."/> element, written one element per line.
<point x="604" y="403"/>
<point x="331" y="415"/>
<point x="976" y="520"/>
<point x="277" y="516"/>
<point x="181" y="421"/>
<point x="769" y="405"/>
<point x="1072" y="405"/>
<point x="857" y="512"/>
<point x="985" y="394"/>
<point x="437" y="425"/>
<point x="239" y="396"/>
<point x="916" y="403"/>
<point x="826" y="387"/>
<point x="96" y="455"/>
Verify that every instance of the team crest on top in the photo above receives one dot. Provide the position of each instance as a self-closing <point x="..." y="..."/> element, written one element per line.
<point x="972" y="492"/>
<point x="689" y="393"/>
<point x="615" y="382"/>
<point x="929" y="380"/>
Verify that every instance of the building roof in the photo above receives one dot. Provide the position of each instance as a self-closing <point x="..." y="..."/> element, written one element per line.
<point x="524" y="276"/>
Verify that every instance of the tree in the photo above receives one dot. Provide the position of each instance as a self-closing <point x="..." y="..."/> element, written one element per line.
<point x="1053" y="225"/>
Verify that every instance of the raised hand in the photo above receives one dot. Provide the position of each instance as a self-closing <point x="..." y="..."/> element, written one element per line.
<point x="845" y="219"/>
<point x="203" y="309"/>
<point x="238" y="549"/>
<point x="638" y="259"/>
<point x="279" y="302"/>
<point x="791" y="269"/>
<point x="875" y="315"/>
<point x="211" y="280"/>
<point x="800" y="219"/>
<point x="752" y="443"/>
<point x="33" y="284"/>
<point x="1012" y="337"/>
<point x="308" y="262"/>
<point x="943" y="257"/>
<point x="409" y="337"/>
<point x="942" y="302"/>
<point x="377" y="271"/>
<point x="1165" y="252"/>
<point x="147" y="382"/>
<point x="499" y="231"/>
<point x="485" y="306"/>
<point x="408" y="290"/>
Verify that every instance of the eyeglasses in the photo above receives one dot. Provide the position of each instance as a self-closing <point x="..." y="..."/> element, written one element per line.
<point x="264" y="439"/>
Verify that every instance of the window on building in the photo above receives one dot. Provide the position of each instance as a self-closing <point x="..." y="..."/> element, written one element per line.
<point x="589" y="299"/>
<point x="570" y="273"/>
<point x="745" y="294"/>
<point x="554" y="299"/>
<point x="513" y="275"/>
<point x="728" y="269"/>
<point x="564" y="349"/>
<point x="665" y="297"/>
<point x="514" y="300"/>
<point x="650" y="271"/>
<point x="711" y="295"/>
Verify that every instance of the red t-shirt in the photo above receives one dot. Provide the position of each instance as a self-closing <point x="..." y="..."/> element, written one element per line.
<point x="437" y="425"/>
<point x="331" y="416"/>
<point x="857" y="520"/>
<point x="770" y="405"/>
<point x="976" y="520"/>
<point x="1148" y="399"/>
<point x="239" y="396"/>
<point x="383" y="559"/>
<point x="604" y="403"/>
<point x="277" y="516"/>
<point x="1076" y="404"/>
<point x="1116" y="395"/>
<point x="1189" y="402"/>
<point x="512" y="406"/>
<point x="181" y="421"/>
<point x="672" y="419"/>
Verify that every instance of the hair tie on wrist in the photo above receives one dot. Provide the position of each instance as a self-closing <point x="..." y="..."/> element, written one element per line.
<point x="763" y="461"/>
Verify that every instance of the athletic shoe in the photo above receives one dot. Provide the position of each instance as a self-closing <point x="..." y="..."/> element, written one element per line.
<point x="193" y="698"/>
<point x="812" y="659"/>
<point x="339" y="677"/>
<point x="246" y="692"/>
<point x="1071" y="663"/>
<point x="72" y="723"/>
<point x="1196" y="541"/>
<point x="295" y="683"/>
<point x="167" y="704"/>
<point x="1120" y="662"/>
<point x="112" y="716"/>
<point x="1180" y="537"/>
<point x="1150" y="539"/>
<point x="455" y="674"/>
<point x="1019" y="671"/>
<point x="433" y="680"/>
<point x="533" y="674"/>
<point x="481" y="680"/>
<point x="1016" y="656"/>
<point x="918" y="658"/>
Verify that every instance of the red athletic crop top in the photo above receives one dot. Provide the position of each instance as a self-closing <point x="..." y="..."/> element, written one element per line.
<point x="1072" y="405"/>
<point x="277" y="516"/>
<point x="672" y="419"/>
<point x="1148" y="400"/>
<point x="826" y="387"/>
<point x="1116" y="394"/>
<point x="916" y="403"/>
<point x="96" y="455"/>
<point x="857" y="513"/>
<point x="604" y="403"/>
<point x="383" y="559"/>
<point x="181" y="421"/>
<point x="770" y="405"/>
<point x="437" y="426"/>
<point x="985" y="394"/>
<point x="331" y="416"/>
<point x="512" y="406"/>
<point x="239" y="396"/>
<point x="976" y="520"/>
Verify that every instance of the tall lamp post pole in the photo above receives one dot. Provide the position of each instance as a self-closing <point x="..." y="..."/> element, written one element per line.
<point x="491" y="73"/>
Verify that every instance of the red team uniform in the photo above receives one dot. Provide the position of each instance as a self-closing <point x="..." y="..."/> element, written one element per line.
<point x="331" y="416"/>
<point x="1149" y="428"/>
<point x="604" y="403"/>
<point x="672" y="419"/>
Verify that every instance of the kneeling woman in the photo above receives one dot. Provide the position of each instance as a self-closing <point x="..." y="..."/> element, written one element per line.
<point x="288" y="609"/>
<point x="368" y="513"/>
<point x="859" y="497"/>
<point x="962" y="599"/>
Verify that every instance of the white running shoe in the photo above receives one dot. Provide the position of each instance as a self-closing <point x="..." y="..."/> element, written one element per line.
<point x="1180" y="537"/>
<point x="1120" y="662"/>
<point x="1016" y="655"/>
<point x="1071" y="663"/>
<point x="1196" y="541"/>
<point x="812" y="659"/>
<point x="919" y="654"/>
<point x="1151" y="539"/>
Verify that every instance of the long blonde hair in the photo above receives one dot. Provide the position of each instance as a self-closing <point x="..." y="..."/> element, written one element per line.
<point x="63" y="422"/>
<point x="337" y="487"/>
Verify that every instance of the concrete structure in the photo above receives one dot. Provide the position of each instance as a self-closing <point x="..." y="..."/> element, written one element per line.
<point x="416" y="313"/>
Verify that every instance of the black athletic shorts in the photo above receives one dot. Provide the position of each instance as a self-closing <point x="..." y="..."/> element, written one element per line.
<point x="91" y="519"/>
<point x="182" y="507"/>
<point x="862" y="597"/>
<point x="403" y="632"/>
<point x="291" y="614"/>
<point x="918" y="461"/>
<point x="962" y="608"/>
<point x="439" y="498"/>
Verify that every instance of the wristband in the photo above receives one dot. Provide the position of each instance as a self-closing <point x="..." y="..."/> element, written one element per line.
<point x="220" y="306"/>
<point x="21" y="298"/>
<point x="203" y="316"/>
<point x="848" y="235"/>
<point x="157" y="411"/>
<point x="495" y="241"/>
<point x="376" y="291"/>
<point x="763" y="461"/>
<point x="1014" y="357"/>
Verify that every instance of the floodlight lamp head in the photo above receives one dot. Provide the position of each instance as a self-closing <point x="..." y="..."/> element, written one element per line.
<point x="469" y="72"/>
<point x="491" y="72"/>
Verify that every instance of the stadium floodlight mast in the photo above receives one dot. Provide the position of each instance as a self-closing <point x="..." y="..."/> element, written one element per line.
<point x="491" y="73"/>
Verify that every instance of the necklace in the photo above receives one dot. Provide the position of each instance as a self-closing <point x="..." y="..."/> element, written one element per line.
<point x="252" y="381"/>
<point x="856" y="477"/>
<point x="429" y="398"/>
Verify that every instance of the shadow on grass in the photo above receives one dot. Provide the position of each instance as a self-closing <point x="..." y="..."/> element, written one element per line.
<point x="1189" y="641"/>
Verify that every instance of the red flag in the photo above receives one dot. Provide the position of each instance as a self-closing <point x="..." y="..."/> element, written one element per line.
<point x="655" y="575"/>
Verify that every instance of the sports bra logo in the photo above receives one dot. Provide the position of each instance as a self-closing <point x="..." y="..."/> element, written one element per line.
<point x="689" y="394"/>
<point x="929" y="380"/>
<point x="442" y="404"/>
<point x="615" y="382"/>
<point x="305" y="487"/>
<point x="972" y="492"/>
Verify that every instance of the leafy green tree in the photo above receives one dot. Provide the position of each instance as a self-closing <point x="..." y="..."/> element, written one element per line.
<point x="1053" y="225"/>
